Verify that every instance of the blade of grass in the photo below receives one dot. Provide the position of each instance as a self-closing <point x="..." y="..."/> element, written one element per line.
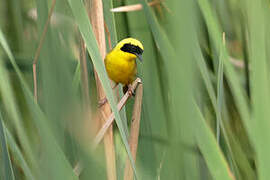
<point x="7" y="166"/>
<point x="160" y="37"/>
<point x="153" y="125"/>
<point x="206" y="141"/>
<point x="259" y="77"/>
<point x="85" y="28"/>
<point x="178" y="89"/>
<point x="54" y="75"/>
<point x="76" y="77"/>
<point x="41" y="122"/>
<point x="227" y="135"/>
<point x="12" y="108"/>
<point x="220" y="92"/>
<point x="16" y="16"/>
<point x="17" y="154"/>
<point x="237" y="90"/>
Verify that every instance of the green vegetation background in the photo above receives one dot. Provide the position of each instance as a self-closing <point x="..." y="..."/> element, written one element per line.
<point x="205" y="112"/>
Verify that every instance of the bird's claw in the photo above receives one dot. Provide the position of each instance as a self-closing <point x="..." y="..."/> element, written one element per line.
<point x="139" y="81"/>
<point x="131" y="91"/>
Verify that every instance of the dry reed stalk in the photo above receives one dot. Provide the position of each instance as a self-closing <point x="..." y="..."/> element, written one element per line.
<point x="108" y="35"/>
<point x="97" y="20"/>
<point x="134" y="7"/>
<point x="134" y="131"/>
<point x="120" y="105"/>
<point x="43" y="35"/>
<point x="79" y="167"/>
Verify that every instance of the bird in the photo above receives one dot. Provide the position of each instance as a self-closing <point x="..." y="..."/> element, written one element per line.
<point x="120" y="62"/>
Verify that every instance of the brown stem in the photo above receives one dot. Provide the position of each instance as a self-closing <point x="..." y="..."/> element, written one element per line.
<point x="97" y="21"/>
<point x="35" y="81"/>
<point x="78" y="167"/>
<point x="43" y="35"/>
<point x="109" y="121"/>
<point x="108" y="35"/>
<point x="134" y="7"/>
<point x="134" y="131"/>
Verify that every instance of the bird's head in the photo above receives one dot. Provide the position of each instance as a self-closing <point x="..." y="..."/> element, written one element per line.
<point x="131" y="45"/>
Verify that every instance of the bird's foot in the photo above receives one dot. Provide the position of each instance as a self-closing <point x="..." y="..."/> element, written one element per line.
<point x="132" y="87"/>
<point x="138" y="80"/>
<point x="102" y="102"/>
<point x="131" y="91"/>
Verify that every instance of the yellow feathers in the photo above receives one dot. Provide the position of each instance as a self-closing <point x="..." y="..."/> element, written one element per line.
<point x="120" y="63"/>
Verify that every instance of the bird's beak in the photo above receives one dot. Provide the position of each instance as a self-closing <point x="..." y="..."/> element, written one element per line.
<point x="139" y="56"/>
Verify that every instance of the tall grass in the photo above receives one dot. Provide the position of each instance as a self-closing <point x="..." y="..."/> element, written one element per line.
<point x="203" y="112"/>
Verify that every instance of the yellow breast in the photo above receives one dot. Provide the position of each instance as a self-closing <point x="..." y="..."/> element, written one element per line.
<point x="121" y="66"/>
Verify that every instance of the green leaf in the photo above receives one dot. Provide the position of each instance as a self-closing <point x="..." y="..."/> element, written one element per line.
<point x="150" y="153"/>
<point x="76" y="77"/>
<point x="85" y="28"/>
<point x="11" y="104"/>
<point x="17" y="154"/>
<point x="206" y="141"/>
<point x="64" y="168"/>
<point x="7" y="167"/>
<point x="219" y="94"/>
<point x="234" y="82"/>
<point x="259" y="82"/>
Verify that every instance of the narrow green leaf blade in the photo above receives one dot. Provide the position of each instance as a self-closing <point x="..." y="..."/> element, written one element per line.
<point x="85" y="28"/>
<point x="219" y="94"/>
<point x="210" y="150"/>
<point x="229" y="71"/>
<point x="40" y="121"/>
<point x="17" y="154"/>
<point x="7" y="167"/>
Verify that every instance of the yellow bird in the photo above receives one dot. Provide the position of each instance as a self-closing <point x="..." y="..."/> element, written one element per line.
<point x="121" y="64"/>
